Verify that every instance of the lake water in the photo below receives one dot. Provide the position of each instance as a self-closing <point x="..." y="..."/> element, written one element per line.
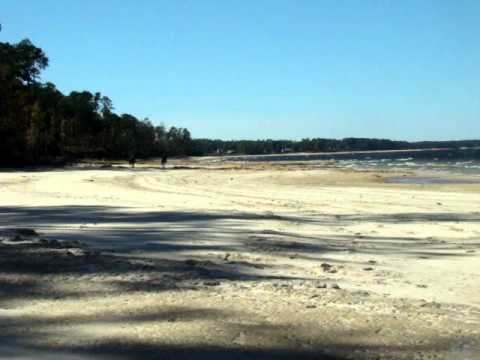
<point x="457" y="161"/>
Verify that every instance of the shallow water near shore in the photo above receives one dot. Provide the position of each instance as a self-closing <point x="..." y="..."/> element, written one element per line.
<point x="455" y="161"/>
<point x="413" y="180"/>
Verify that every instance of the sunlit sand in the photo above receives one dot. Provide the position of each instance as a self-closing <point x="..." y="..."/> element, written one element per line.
<point x="248" y="259"/>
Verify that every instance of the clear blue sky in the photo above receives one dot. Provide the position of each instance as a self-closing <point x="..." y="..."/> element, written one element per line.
<point x="402" y="69"/>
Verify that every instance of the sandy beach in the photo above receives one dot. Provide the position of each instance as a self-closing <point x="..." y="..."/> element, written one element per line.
<point x="209" y="259"/>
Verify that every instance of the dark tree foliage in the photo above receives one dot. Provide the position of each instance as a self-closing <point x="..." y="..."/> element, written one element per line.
<point x="255" y="147"/>
<point x="39" y="124"/>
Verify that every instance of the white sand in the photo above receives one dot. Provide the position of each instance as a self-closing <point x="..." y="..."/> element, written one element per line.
<point x="407" y="246"/>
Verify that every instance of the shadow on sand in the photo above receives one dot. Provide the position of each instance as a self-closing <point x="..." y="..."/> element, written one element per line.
<point x="161" y="246"/>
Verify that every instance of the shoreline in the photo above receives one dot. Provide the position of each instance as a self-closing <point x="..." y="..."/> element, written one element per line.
<point x="366" y="152"/>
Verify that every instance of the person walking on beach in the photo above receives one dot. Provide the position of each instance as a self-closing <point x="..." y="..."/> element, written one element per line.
<point x="132" y="161"/>
<point x="164" y="160"/>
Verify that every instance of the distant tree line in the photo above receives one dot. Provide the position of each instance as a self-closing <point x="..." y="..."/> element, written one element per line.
<point x="39" y="124"/>
<point x="255" y="147"/>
